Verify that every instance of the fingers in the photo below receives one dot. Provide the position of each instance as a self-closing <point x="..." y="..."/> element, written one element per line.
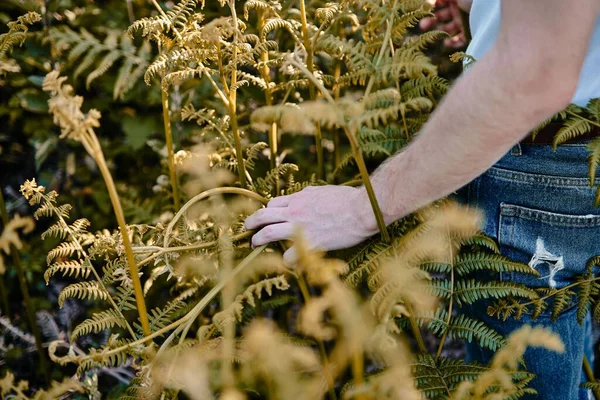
<point x="290" y="258"/>
<point x="281" y="201"/>
<point x="428" y="23"/>
<point x="266" y="216"/>
<point x="444" y="14"/>
<point x="453" y="27"/>
<point x="273" y="233"/>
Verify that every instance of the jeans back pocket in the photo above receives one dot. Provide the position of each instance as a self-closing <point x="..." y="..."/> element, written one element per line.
<point x="557" y="246"/>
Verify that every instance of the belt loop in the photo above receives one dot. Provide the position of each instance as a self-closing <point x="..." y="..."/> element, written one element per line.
<point x="516" y="150"/>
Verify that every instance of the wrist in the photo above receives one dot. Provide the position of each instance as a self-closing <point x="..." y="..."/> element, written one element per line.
<point x="366" y="214"/>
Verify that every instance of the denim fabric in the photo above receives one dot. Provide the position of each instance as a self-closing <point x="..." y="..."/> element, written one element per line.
<point x="539" y="206"/>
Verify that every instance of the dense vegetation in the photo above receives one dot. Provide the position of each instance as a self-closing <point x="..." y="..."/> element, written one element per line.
<point x="153" y="129"/>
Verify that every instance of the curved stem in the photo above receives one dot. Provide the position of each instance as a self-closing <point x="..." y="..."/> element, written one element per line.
<point x="204" y="195"/>
<point x="191" y="316"/>
<point x="169" y="143"/>
<point x="198" y="246"/>
<point x="589" y="374"/>
<point x="118" y="210"/>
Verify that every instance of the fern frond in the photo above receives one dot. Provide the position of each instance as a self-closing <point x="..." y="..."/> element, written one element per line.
<point x="593" y="159"/>
<point x="161" y="317"/>
<point x="462" y="327"/>
<point x="424" y="40"/>
<point x="125" y="298"/>
<point x="249" y="296"/>
<point x="469" y="291"/>
<point x="266" y="185"/>
<point x="472" y="262"/>
<point x="64" y="249"/>
<point x="481" y="241"/>
<point x="253" y="153"/>
<point x="16" y="32"/>
<point x="99" y="322"/>
<point x="584" y="297"/>
<point x="369" y="261"/>
<point x="382" y="116"/>
<point x="436" y="377"/>
<point x="82" y="290"/>
<point x="424" y="87"/>
<point x="572" y="128"/>
<point x="275" y="23"/>
<point x="260" y="5"/>
<point x="70" y="268"/>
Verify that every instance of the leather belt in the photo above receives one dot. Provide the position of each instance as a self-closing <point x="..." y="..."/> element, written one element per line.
<point x="546" y="135"/>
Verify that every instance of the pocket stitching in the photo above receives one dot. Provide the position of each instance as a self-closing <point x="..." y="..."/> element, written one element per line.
<point x="549" y="180"/>
<point x="548" y="217"/>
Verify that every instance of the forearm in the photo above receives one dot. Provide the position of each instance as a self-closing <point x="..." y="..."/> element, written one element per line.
<point x="486" y="112"/>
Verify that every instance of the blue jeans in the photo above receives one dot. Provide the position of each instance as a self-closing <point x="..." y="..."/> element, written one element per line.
<point x="539" y="206"/>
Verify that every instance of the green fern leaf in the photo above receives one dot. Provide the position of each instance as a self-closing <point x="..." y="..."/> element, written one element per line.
<point x="462" y="327"/>
<point x="572" y="128"/>
<point x="472" y="262"/>
<point x="82" y="290"/>
<point x="593" y="160"/>
<point x="65" y="249"/>
<point x="69" y="268"/>
<point x="99" y="322"/>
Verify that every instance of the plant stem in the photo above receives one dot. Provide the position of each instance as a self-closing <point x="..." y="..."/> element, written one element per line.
<point x="364" y="173"/>
<point x="589" y="373"/>
<point x="326" y="367"/>
<point x="162" y="13"/>
<point x="415" y="327"/>
<point x="16" y="257"/>
<point x="589" y="121"/>
<point x="358" y="369"/>
<point x="311" y="90"/>
<point x="89" y="265"/>
<point x="264" y="71"/>
<point x="169" y="140"/>
<point x="227" y="296"/>
<point x="239" y="155"/>
<point x="356" y="151"/>
<point x="386" y="38"/>
<point x="116" y="203"/>
<point x="180" y="249"/>
<point x="191" y="316"/>
<point x="443" y="339"/>
<point x="337" y="73"/>
<point x="204" y="195"/>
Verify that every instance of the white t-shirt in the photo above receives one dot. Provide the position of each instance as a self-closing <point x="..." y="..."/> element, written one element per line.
<point x="485" y="25"/>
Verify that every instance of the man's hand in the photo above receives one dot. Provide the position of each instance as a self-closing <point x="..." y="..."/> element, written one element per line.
<point x="329" y="217"/>
<point x="447" y="19"/>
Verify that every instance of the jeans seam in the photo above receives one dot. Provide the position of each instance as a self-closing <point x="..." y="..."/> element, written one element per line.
<point x="546" y="180"/>
<point x="550" y="218"/>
